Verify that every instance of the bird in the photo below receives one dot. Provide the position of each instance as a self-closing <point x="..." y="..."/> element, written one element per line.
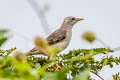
<point x="61" y="38"/>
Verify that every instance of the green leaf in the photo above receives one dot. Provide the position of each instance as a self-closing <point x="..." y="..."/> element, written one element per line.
<point x="61" y="75"/>
<point x="50" y="76"/>
<point x="3" y="36"/>
<point x="82" y="75"/>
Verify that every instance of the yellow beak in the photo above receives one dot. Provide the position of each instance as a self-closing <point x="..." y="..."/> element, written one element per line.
<point x="80" y="19"/>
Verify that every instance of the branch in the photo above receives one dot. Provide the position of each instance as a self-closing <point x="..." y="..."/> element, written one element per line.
<point x="97" y="75"/>
<point x="103" y="43"/>
<point x="116" y="49"/>
<point x="41" y="16"/>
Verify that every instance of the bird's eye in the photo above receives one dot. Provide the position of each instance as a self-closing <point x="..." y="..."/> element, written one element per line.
<point x="73" y="18"/>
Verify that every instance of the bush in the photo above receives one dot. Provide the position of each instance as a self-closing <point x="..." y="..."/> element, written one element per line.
<point x="75" y="65"/>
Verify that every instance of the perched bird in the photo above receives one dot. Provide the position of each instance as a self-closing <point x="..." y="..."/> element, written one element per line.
<point x="61" y="37"/>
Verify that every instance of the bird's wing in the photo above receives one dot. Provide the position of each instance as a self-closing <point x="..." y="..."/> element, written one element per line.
<point x="56" y="36"/>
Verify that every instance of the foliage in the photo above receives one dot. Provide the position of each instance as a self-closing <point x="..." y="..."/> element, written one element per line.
<point x="116" y="76"/>
<point x="79" y="62"/>
<point x="3" y="36"/>
<point x="75" y="65"/>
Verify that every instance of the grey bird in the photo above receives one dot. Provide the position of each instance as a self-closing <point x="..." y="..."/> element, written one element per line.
<point x="59" y="39"/>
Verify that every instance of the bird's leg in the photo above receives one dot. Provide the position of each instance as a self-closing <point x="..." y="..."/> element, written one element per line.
<point x="58" y="67"/>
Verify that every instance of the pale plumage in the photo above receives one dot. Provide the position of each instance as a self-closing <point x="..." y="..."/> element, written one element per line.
<point x="61" y="37"/>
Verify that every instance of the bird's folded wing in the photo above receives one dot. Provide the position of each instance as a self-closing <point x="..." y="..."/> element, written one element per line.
<point x="56" y="36"/>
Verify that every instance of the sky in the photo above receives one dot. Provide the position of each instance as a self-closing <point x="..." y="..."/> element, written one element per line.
<point x="101" y="17"/>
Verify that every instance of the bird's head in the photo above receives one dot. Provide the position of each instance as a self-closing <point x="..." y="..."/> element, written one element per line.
<point x="72" y="20"/>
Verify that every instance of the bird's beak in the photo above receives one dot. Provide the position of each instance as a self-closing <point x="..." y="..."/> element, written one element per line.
<point x="80" y="19"/>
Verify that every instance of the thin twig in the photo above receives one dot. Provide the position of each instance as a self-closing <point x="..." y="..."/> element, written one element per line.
<point x="41" y="16"/>
<point x="116" y="49"/>
<point x="103" y="43"/>
<point x="97" y="75"/>
<point x="106" y="46"/>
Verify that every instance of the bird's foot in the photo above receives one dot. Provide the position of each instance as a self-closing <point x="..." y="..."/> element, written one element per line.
<point x="58" y="67"/>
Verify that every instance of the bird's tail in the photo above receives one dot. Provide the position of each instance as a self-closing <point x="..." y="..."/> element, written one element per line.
<point x="34" y="51"/>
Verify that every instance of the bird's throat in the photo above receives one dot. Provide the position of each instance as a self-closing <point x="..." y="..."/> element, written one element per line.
<point x="67" y="27"/>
